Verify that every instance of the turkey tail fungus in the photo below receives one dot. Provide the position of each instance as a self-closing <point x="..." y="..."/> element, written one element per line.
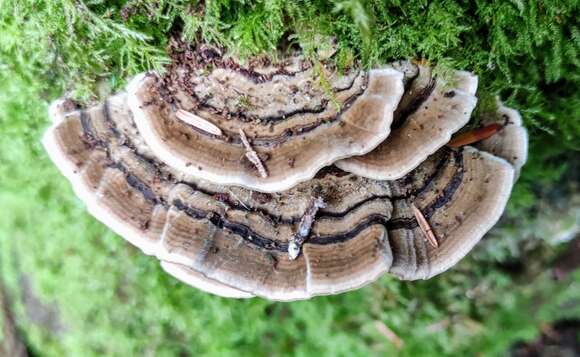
<point x="224" y="172"/>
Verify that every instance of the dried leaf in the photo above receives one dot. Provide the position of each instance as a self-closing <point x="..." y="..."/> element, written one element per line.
<point x="198" y="122"/>
<point x="425" y="227"/>
<point x="474" y="136"/>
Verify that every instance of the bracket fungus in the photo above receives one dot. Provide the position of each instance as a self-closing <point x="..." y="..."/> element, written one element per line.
<point x="301" y="230"/>
<point x="298" y="118"/>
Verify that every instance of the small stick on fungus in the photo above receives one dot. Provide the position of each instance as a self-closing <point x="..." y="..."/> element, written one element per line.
<point x="198" y="122"/>
<point x="295" y="243"/>
<point x="252" y="155"/>
<point x="425" y="227"/>
<point x="239" y="200"/>
<point x="474" y="136"/>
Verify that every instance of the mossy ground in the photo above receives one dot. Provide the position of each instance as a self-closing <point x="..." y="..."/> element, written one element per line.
<point x="112" y="300"/>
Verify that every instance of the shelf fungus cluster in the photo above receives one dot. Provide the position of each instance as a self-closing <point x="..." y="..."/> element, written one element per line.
<point x="288" y="180"/>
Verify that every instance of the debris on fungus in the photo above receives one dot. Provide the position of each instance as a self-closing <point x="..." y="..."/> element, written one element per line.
<point x="425" y="227"/>
<point x="198" y="122"/>
<point x="252" y="155"/>
<point x="295" y="243"/>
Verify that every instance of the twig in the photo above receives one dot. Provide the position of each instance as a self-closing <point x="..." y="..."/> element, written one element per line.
<point x="198" y="122"/>
<point x="252" y="155"/>
<point x="295" y="243"/>
<point x="425" y="227"/>
<point x="239" y="200"/>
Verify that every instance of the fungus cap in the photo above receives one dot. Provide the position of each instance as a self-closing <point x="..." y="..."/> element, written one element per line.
<point x="430" y="111"/>
<point x="297" y="117"/>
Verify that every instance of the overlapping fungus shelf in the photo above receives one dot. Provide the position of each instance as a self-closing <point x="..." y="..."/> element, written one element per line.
<point x="299" y="117"/>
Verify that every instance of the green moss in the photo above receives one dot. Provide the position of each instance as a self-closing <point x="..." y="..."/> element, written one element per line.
<point x="115" y="301"/>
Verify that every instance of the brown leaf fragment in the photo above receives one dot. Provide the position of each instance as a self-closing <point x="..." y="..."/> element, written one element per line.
<point x="198" y="122"/>
<point x="253" y="156"/>
<point x="295" y="244"/>
<point x="425" y="227"/>
<point x="474" y="136"/>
